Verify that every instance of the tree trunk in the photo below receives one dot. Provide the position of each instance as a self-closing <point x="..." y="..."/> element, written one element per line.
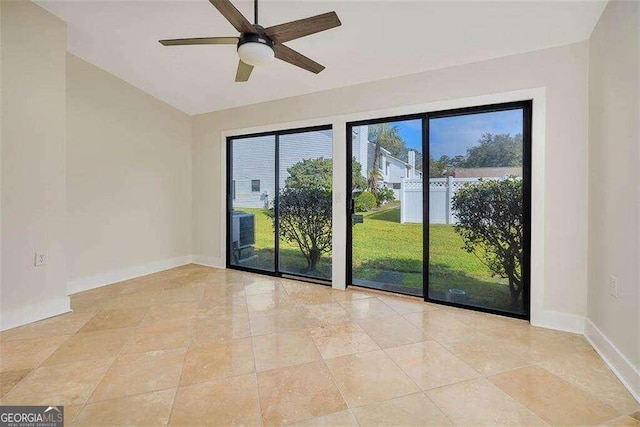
<point x="376" y="165"/>
<point x="314" y="258"/>
<point x="515" y="289"/>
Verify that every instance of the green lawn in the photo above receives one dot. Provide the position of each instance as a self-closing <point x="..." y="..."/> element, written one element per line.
<point x="386" y="251"/>
<point x="291" y="259"/>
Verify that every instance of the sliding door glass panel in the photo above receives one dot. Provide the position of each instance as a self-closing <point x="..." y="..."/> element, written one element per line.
<point x="387" y="242"/>
<point x="305" y="203"/>
<point x="253" y="178"/>
<point x="476" y="216"/>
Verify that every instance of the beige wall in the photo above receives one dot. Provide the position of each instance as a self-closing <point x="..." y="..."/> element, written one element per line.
<point x="562" y="71"/>
<point x="33" y="53"/>
<point x="128" y="176"/>
<point x="614" y="182"/>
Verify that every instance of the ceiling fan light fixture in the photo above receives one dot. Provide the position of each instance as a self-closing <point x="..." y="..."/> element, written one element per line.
<point x="256" y="53"/>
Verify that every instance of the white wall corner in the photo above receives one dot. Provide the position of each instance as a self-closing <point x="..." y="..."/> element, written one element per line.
<point x="209" y="261"/>
<point x="557" y="320"/>
<point x="34" y="312"/>
<point x="622" y="367"/>
<point x="126" y="273"/>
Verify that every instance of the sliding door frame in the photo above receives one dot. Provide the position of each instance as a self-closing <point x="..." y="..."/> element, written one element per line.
<point x="527" y="107"/>
<point x="349" y="192"/>
<point x="276" y="200"/>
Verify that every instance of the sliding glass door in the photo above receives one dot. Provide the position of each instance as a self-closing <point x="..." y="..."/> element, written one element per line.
<point x="252" y="190"/>
<point x="279" y="209"/>
<point x="474" y="252"/>
<point x="386" y="210"/>
<point x="478" y="207"/>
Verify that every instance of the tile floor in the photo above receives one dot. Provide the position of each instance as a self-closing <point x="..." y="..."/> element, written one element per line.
<point x="197" y="346"/>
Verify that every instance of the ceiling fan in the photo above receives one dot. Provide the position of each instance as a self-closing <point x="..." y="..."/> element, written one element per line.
<point x="257" y="45"/>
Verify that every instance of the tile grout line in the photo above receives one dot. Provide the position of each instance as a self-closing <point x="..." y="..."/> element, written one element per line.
<point x="335" y="383"/>
<point x="184" y="358"/>
<point x="255" y="364"/>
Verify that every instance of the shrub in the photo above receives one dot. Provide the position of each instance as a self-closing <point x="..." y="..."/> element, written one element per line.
<point x="365" y="202"/>
<point x="383" y="195"/>
<point x="305" y="219"/>
<point x="490" y="220"/>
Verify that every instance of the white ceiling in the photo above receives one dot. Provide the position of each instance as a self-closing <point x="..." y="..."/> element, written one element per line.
<point x="377" y="39"/>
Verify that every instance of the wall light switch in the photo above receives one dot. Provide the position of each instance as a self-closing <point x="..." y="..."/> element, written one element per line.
<point x="42" y="258"/>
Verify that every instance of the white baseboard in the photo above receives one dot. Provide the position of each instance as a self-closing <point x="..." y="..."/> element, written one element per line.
<point x="628" y="374"/>
<point x="557" y="320"/>
<point x="34" y="312"/>
<point x="209" y="261"/>
<point x="126" y="273"/>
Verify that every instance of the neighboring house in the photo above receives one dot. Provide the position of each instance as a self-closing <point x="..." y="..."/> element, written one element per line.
<point x="393" y="169"/>
<point x="253" y="183"/>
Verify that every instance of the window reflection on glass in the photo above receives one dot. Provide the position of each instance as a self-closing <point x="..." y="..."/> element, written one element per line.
<point x="387" y="242"/>
<point x="253" y="183"/>
<point x="476" y="225"/>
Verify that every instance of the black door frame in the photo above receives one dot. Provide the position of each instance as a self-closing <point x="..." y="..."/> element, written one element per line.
<point x="276" y="200"/>
<point x="526" y="107"/>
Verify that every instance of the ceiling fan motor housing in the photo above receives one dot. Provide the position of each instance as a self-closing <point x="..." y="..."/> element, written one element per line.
<point x="259" y="37"/>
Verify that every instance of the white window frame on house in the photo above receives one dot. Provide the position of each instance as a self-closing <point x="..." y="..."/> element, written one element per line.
<point x="253" y="181"/>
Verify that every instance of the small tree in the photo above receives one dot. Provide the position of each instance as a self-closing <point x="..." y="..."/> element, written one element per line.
<point x="305" y="208"/>
<point x="305" y="219"/>
<point x="490" y="222"/>
<point x="314" y="173"/>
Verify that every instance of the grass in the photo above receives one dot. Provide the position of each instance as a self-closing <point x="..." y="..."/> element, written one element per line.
<point x="385" y="250"/>
<point x="291" y="259"/>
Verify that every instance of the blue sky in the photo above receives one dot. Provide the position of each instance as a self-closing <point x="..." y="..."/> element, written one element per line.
<point x="452" y="136"/>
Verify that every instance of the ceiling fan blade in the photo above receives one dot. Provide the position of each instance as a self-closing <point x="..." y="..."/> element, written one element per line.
<point x="244" y="71"/>
<point x="199" y="40"/>
<point x="233" y="15"/>
<point x="303" y="27"/>
<point x="289" y="55"/>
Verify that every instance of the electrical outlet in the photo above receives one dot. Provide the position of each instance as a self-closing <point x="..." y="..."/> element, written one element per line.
<point x="42" y="258"/>
<point x="613" y="286"/>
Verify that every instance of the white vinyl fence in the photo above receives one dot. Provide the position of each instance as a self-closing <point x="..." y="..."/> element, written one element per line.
<point x="441" y="191"/>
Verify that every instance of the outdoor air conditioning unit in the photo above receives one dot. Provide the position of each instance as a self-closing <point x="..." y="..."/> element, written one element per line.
<point x="243" y="230"/>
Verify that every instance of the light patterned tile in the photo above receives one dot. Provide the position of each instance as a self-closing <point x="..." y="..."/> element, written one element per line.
<point x="391" y="331"/>
<point x="140" y="373"/>
<point x="163" y="335"/>
<point x="91" y="345"/>
<point x="369" y="377"/>
<point x="114" y="319"/>
<point x="553" y="399"/>
<point x="297" y="393"/>
<point x="587" y="371"/>
<point x="284" y="349"/>
<point x="342" y="339"/>
<point x="192" y="332"/>
<point x="480" y="403"/>
<point x="406" y="305"/>
<point x="430" y="365"/>
<point x="64" y="384"/>
<point x="223" y="401"/>
<point x="337" y="419"/>
<point x="8" y="379"/>
<point x="412" y="410"/>
<point x="367" y="307"/>
<point x="145" y="409"/>
<point x="218" y="359"/>
<point x="28" y="353"/>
